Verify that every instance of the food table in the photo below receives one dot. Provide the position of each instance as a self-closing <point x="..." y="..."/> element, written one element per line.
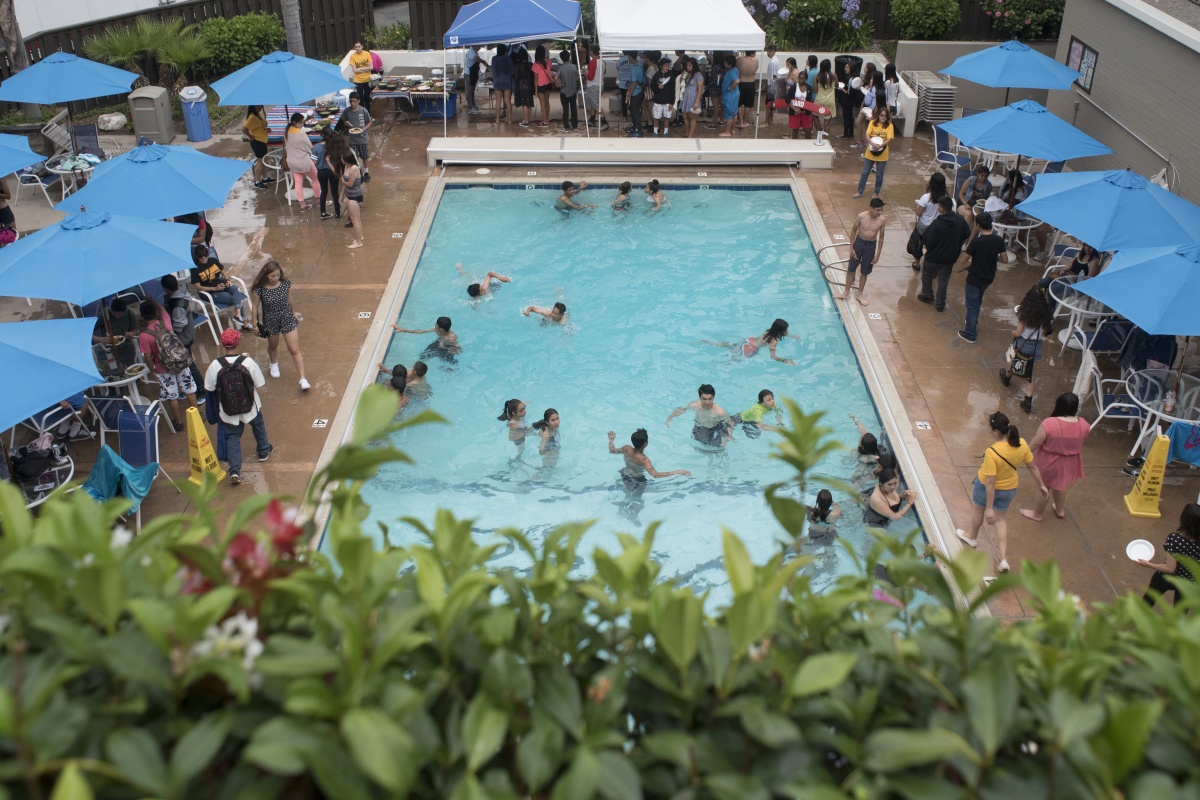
<point x="1148" y="389"/>
<point x="315" y="118"/>
<point x="1082" y="307"/>
<point x="427" y="94"/>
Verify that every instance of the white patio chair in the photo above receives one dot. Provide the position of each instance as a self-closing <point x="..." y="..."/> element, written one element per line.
<point x="213" y="311"/>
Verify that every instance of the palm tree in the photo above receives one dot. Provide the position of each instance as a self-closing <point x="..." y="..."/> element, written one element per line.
<point x="14" y="45"/>
<point x="121" y="47"/>
<point x="182" y="54"/>
<point x="291" y="26"/>
<point x="157" y="37"/>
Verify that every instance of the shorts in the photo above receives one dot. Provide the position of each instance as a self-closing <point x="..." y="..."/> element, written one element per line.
<point x="176" y="385"/>
<point x="258" y="148"/>
<point x="1001" y="502"/>
<point x="76" y="401"/>
<point x="862" y="253"/>
<point x="745" y="95"/>
<point x="360" y="150"/>
<point x="545" y="88"/>
<point x="1029" y="347"/>
<point x="592" y="96"/>
<point x="662" y="110"/>
<point x="713" y="437"/>
<point x="634" y="482"/>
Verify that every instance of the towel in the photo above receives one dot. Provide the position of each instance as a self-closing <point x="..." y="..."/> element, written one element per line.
<point x="1185" y="443"/>
<point x="111" y="475"/>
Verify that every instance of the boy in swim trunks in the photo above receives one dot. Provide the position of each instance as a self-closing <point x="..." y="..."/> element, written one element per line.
<point x="445" y="346"/>
<point x="867" y="235"/>
<point x="713" y="426"/>
<point x="752" y="418"/>
<point x="565" y="203"/>
<point x="558" y="314"/>
<point x="481" y="288"/>
<point x="637" y="464"/>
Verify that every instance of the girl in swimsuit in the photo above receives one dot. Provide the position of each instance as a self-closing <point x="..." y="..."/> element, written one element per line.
<point x="622" y="201"/>
<point x="768" y="338"/>
<point x="887" y="503"/>
<point x="653" y="195"/>
<point x="514" y="415"/>
<point x="547" y="428"/>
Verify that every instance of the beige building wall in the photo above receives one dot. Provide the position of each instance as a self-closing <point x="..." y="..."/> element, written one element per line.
<point x="1145" y="80"/>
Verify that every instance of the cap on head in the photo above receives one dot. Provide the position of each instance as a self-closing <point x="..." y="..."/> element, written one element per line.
<point x="877" y="202"/>
<point x="230" y="337"/>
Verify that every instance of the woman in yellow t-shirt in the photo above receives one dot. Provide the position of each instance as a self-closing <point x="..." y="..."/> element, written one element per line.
<point x="876" y="157"/>
<point x="255" y="128"/>
<point x="996" y="483"/>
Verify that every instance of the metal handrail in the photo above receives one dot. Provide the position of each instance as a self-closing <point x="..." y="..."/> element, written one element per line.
<point x="827" y="265"/>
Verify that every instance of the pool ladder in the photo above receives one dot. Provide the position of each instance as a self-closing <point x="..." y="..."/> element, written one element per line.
<point x="833" y="270"/>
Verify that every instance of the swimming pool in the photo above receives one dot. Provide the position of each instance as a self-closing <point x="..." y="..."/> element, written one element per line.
<point x="645" y="294"/>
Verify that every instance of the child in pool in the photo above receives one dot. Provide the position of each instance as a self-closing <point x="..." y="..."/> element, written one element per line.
<point x="557" y="314"/>
<point x="445" y="346"/>
<point x="481" y="288"/>
<point x="514" y="415"/>
<point x="565" y="202"/>
<point x="770" y="338"/>
<point x="655" y="195"/>
<point x="547" y="428"/>
<point x="622" y="202"/>
<point x="868" y="445"/>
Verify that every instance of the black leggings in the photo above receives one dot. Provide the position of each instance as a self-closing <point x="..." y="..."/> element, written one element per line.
<point x="364" y="94"/>
<point x="849" y="113"/>
<point x="1159" y="586"/>
<point x="329" y="189"/>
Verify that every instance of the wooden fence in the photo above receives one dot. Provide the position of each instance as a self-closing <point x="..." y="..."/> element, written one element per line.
<point x="430" y="19"/>
<point x="330" y="28"/>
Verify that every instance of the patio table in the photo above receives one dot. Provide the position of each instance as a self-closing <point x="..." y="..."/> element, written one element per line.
<point x="1082" y="308"/>
<point x="1148" y="388"/>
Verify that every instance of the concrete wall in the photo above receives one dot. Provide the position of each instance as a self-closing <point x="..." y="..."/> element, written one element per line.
<point x="35" y="16"/>
<point x="936" y="56"/>
<point x="1145" y="79"/>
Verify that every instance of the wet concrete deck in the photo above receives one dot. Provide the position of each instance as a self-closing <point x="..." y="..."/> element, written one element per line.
<point x="940" y="378"/>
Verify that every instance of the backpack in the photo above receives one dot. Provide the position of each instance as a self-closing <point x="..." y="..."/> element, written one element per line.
<point x="174" y="356"/>
<point x="187" y="331"/>
<point x="235" y="387"/>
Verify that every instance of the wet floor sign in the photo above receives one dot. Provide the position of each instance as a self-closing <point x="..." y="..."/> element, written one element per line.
<point x="200" y="450"/>
<point x="1142" y="500"/>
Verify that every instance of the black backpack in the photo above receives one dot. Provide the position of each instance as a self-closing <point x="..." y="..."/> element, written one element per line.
<point x="235" y="387"/>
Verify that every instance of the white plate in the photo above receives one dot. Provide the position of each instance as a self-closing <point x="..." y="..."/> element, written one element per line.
<point x="1139" y="550"/>
<point x="356" y="130"/>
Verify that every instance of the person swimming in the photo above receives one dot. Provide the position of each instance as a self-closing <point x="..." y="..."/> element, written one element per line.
<point x="751" y="419"/>
<point x="557" y="314"/>
<point x="417" y="387"/>
<point x="622" y="202"/>
<point x="821" y="518"/>
<point x="565" y="203"/>
<point x="446" y="345"/>
<point x="480" y="288"/>
<point x="868" y="445"/>
<point x="655" y="195"/>
<point x="713" y="426"/>
<point x="637" y="464"/>
<point x="769" y="338"/>
<point x="514" y="416"/>
<point x="548" y="428"/>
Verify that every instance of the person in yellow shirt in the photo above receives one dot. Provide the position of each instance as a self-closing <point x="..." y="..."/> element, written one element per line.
<point x="255" y="128"/>
<point x="360" y="63"/>
<point x="996" y="484"/>
<point x="876" y="157"/>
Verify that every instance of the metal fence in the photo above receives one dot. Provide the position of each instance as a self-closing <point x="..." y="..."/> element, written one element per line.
<point x="330" y="28"/>
<point x="430" y="19"/>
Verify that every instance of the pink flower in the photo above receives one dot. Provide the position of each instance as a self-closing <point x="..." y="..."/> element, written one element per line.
<point x="1028" y="22"/>
<point x="284" y="531"/>
<point x="245" y="559"/>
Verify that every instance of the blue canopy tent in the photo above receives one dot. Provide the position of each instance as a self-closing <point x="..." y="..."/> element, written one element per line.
<point x="491" y="21"/>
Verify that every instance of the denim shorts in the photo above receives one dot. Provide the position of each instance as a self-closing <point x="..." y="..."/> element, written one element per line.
<point x="1002" y="501"/>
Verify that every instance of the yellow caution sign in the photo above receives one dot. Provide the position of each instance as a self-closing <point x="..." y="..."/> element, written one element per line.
<point x="1142" y="500"/>
<point x="200" y="450"/>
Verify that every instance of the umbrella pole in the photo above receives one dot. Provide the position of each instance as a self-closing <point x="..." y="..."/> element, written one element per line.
<point x="1012" y="192"/>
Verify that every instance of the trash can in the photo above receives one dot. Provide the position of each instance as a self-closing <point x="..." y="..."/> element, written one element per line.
<point x="195" y="114"/>
<point x="839" y="67"/>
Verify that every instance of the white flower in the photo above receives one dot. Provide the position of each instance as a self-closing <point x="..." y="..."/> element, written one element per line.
<point x="121" y="537"/>
<point x="3" y="624"/>
<point x="87" y="560"/>
<point x="236" y="636"/>
<point x="146" y="561"/>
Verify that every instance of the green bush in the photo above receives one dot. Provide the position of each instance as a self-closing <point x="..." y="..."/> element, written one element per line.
<point x="200" y="660"/>
<point x="925" y="19"/>
<point x="1026" y="19"/>
<point x="390" y="37"/>
<point x="235" y="42"/>
<point x="801" y="24"/>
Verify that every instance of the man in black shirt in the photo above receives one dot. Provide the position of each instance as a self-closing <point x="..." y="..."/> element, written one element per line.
<point x="662" y="90"/>
<point x="208" y="276"/>
<point x="943" y="242"/>
<point x="985" y="251"/>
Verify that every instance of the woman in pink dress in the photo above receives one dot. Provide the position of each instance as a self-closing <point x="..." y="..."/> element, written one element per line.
<point x="1057" y="449"/>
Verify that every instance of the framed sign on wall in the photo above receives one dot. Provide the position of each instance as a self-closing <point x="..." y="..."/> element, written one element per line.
<point x="1082" y="58"/>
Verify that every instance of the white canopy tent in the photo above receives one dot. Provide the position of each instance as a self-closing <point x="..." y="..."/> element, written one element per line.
<point x="678" y="25"/>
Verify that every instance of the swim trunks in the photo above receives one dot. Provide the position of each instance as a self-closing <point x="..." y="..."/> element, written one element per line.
<point x="862" y="253"/>
<point x="713" y="437"/>
<point x="750" y="347"/>
<point x="633" y="481"/>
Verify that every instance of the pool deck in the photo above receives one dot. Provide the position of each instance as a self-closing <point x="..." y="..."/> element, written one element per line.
<point x="939" y="379"/>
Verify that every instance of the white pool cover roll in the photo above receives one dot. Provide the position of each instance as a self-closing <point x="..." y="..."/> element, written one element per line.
<point x="677" y="25"/>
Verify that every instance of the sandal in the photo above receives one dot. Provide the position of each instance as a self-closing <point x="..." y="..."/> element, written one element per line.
<point x="968" y="541"/>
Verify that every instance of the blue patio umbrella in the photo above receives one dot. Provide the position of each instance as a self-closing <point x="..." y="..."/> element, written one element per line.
<point x="1012" y="65"/>
<point x="1028" y="129"/>
<point x="279" y="79"/>
<point x="157" y="181"/>
<point x="62" y="77"/>
<point x="93" y="254"/>
<point x="43" y="362"/>
<point x="1154" y="287"/>
<point x="15" y="153"/>
<point x="1113" y="210"/>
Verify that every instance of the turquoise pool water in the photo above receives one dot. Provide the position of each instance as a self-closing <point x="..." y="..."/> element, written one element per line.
<point x="644" y="292"/>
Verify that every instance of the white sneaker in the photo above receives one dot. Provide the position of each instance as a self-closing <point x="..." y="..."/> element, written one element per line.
<point x="274" y="370"/>
<point x="304" y="385"/>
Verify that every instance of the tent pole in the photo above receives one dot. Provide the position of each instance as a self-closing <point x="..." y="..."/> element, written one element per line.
<point x="445" y="95"/>
<point x="587" y="129"/>
<point x="757" y="102"/>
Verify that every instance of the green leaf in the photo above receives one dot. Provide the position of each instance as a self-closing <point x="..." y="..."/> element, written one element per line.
<point x="673" y="747"/>
<point x="71" y="785"/>
<point x="619" y="779"/>
<point x="155" y="618"/>
<point x="539" y="753"/>
<point x="483" y="730"/>
<point x="581" y="778"/>
<point x="431" y="581"/>
<point x="737" y="563"/>
<point x="677" y="627"/>
<point x="196" y="748"/>
<point x="991" y="695"/>
<point x="35" y="561"/>
<point x="558" y="696"/>
<point x="6" y="712"/>
<point x="311" y="697"/>
<point x="506" y="679"/>
<point x="282" y="746"/>
<point x="101" y="592"/>
<point x="468" y="789"/>
<point x="822" y="672"/>
<point x="289" y="656"/>
<point x="1126" y="732"/>
<point x="748" y="619"/>
<point x="376" y="411"/>
<point x="769" y="727"/>
<point x="894" y="749"/>
<point x="135" y="753"/>
<point x="732" y="786"/>
<point x="791" y="514"/>
<point x="380" y="747"/>
<point x="1073" y="718"/>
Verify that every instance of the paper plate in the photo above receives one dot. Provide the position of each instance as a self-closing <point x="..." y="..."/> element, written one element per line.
<point x="876" y="142"/>
<point x="783" y="71"/>
<point x="856" y="83"/>
<point x="138" y="369"/>
<point x="1139" y="550"/>
<point x="356" y="130"/>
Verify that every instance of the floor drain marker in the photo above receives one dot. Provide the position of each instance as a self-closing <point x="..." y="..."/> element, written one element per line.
<point x="364" y="315"/>
<point x="320" y="423"/>
<point x="922" y="425"/>
<point x="397" y="235"/>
